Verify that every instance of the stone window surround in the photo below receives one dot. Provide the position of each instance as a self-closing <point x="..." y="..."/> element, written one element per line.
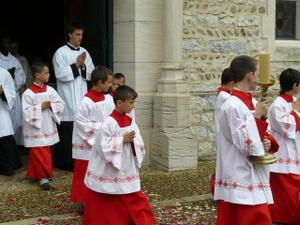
<point x="269" y="33"/>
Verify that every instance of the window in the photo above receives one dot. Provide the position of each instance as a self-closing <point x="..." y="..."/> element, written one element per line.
<point x="287" y="25"/>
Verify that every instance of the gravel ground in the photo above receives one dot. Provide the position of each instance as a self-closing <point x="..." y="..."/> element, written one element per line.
<point x="21" y="199"/>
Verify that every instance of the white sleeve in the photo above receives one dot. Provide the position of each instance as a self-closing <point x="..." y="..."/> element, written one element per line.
<point x="57" y="105"/>
<point x="138" y="147"/>
<point x="110" y="145"/>
<point x="89" y="65"/>
<point x="282" y="121"/>
<point x="8" y="86"/>
<point x="62" y="69"/>
<point x="32" y="114"/>
<point x="85" y="127"/>
<point x="241" y="130"/>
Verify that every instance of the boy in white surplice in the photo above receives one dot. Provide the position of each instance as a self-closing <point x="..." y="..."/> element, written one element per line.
<point x="92" y="111"/>
<point x="242" y="188"/>
<point x="284" y="120"/>
<point x="114" y="195"/>
<point x="42" y="109"/>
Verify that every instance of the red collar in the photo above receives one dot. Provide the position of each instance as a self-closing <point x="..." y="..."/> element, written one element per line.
<point x="122" y="119"/>
<point x="95" y="95"/>
<point x="286" y="97"/>
<point x="224" y="89"/>
<point x="38" y="89"/>
<point x="245" y="97"/>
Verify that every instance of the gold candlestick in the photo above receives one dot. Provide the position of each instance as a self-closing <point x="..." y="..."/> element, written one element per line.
<point x="264" y="82"/>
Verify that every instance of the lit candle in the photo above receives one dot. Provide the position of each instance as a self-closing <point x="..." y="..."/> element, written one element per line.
<point x="264" y="68"/>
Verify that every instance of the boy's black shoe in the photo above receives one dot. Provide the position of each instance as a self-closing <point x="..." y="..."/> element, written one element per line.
<point x="45" y="185"/>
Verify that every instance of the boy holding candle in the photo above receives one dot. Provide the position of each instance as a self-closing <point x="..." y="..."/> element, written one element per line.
<point x="242" y="188"/>
<point x="284" y="119"/>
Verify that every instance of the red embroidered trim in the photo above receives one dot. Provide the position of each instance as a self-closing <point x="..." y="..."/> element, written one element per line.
<point x="235" y="185"/>
<point x="41" y="135"/>
<point x="248" y="142"/>
<point x="106" y="179"/>
<point x="288" y="161"/>
<point x="83" y="147"/>
<point x="91" y="133"/>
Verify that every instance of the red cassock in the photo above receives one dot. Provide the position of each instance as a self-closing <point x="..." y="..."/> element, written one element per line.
<point x="79" y="190"/>
<point x="286" y="194"/>
<point x="236" y="214"/>
<point x="40" y="163"/>
<point x="123" y="209"/>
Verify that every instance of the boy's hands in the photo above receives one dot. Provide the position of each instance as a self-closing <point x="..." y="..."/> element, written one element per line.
<point x="129" y="136"/>
<point x="46" y="105"/>
<point x="267" y="144"/>
<point x="296" y="105"/>
<point x="261" y="109"/>
<point x="81" y="59"/>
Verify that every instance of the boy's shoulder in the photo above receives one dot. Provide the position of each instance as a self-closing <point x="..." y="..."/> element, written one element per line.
<point x="114" y="122"/>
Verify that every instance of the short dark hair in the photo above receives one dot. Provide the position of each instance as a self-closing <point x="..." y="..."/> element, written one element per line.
<point x="37" y="66"/>
<point x="100" y="73"/>
<point x="74" y="26"/>
<point x="288" y="78"/>
<point x="226" y="77"/>
<point x="119" y="76"/>
<point x="240" y="66"/>
<point x="123" y="93"/>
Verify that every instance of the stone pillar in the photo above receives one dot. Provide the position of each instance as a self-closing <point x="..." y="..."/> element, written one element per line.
<point x="173" y="146"/>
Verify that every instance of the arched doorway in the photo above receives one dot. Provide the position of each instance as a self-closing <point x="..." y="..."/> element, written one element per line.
<point x="39" y="26"/>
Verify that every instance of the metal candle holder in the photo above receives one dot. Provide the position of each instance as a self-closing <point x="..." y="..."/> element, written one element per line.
<point x="268" y="158"/>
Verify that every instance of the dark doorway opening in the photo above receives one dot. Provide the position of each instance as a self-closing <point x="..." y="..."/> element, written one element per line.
<point x="39" y="26"/>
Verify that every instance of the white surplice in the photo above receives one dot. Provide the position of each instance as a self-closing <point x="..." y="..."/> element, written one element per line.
<point x="7" y="62"/>
<point x="113" y="169"/>
<point x="71" y="89"/>
<point x="221" y="98"/>
<point x="283" y="128"/>
<point x="88" y="120"/>
<point x="39" y="126"/>
<point x="237" y="179"/>
<point x="7" y="83"/>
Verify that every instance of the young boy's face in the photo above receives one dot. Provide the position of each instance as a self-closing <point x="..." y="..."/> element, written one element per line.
<point x="75" y="38"/>
<point x="253" y="81"/>
<point x="296" y="88"/>
<point x="44" y="75"/>
<point x="117" y="83"/>
<point x="126" y="106"/>
<point x="107" y="84"/>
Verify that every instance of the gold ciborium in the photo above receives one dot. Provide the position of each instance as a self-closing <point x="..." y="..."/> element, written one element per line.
<point x="268" y="158"/>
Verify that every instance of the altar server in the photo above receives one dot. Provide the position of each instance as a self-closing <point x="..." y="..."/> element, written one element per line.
<point x="115" y="195"/>
<point x="72" y="66"/>
<point x="242" y="188"/>
<point x="42" y="110"/>
<point x="93" y="110"/>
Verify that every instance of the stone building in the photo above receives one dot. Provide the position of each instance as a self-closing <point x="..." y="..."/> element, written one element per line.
<point x="172" y="52"/>
<point x="175" y="51"/>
